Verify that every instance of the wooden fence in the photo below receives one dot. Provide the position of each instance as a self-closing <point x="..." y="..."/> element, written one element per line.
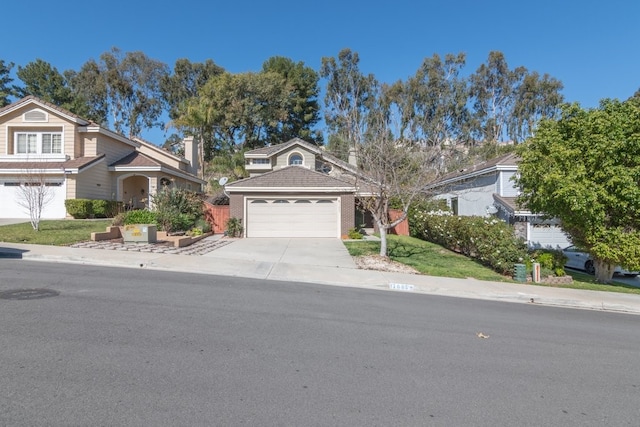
<point x="217" y="216"/>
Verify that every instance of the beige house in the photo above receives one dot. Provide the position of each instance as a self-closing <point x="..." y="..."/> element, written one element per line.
<point x="296" y="189"/>
<point x="78" y="159"/>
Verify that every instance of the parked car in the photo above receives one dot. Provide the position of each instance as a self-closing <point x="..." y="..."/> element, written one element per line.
<point x="579" y="259"/>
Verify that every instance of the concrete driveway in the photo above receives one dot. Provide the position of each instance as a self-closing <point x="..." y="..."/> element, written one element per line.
<point x="297" y="251"/>
<point x="9" y="221"/>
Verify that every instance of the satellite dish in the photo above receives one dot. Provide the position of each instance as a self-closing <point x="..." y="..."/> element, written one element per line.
<point x="222" y="181"/>
<point x="491" y="209"/>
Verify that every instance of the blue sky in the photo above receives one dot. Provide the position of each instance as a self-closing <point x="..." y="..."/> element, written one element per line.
<point x="593" y="47"/>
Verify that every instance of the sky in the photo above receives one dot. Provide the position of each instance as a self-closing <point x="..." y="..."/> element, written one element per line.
<point x="592" y="47"/>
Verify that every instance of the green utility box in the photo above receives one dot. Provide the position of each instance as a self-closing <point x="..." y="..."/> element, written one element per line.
<point x="520" y="272"/>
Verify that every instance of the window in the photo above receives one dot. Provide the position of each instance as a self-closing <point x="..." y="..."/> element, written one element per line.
<point x="280" y="201"/>
<point x="295" y="159"/>
<point x="260" y="161"/>
<point x="38" y="143"/>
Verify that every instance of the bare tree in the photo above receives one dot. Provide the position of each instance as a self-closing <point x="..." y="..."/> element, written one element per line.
<point x="393" y="171"/>
<point x="35" y="193"/>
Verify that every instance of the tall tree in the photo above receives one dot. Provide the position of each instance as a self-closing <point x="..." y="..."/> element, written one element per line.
<point x="44" y="81"/>
<point x="303" y="111"/>
<point x="185" y="82"/>
<point x="128" y="86"/>
<point x="235" y="111"/>
<point x="6" y="91"/>
<point x="535" y="97"/>
<point x="585" y="170"/>
<point x="349" y="96"/>
<point x="433" y="103"/>
<point x="492" y="91"/>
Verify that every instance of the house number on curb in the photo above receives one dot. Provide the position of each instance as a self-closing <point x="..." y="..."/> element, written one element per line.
<point x="401" y="287"/>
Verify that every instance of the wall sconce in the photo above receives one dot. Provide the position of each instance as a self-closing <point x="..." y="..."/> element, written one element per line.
<point x="142" y="191"/>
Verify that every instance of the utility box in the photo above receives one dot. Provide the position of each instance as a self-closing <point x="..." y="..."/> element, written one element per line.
<point x="140" y="233"/>
<point x="520" y="272"/>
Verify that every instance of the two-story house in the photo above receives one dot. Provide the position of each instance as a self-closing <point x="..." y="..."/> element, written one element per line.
<point x="486" y="189"/>
<point x="78" y="159"/>
<point x="295" y="189"/>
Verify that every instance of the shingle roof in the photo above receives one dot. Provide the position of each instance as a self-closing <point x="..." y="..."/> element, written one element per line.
<point x="510" y="159"/>
<point x="136" y="159"/>
<point x="78" y="163"/>
<point x="291" y="177"/>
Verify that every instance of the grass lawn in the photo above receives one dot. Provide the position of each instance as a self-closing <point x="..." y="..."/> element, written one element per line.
<point x="53" y="232"/>
<point x="434" y="260"/>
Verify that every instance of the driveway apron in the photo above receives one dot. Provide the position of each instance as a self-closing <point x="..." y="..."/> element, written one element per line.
<point x="297" y="251"/>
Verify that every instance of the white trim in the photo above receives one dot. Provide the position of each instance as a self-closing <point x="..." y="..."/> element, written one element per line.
<point x="18" y="105"/>
<point x="102" y="131"/>
<point x="289" y="189"/>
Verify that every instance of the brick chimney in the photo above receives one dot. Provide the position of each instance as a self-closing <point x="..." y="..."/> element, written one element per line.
<point x="191" y="154"/>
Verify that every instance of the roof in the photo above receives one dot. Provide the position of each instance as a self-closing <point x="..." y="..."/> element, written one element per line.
<point x="292" y="177"/>
<point x="510" y="204"/>
<point x="77" y="164"/>
<point x="34" y="99"/>
<point x="139" y="161"/>
<point x="271" y="150"/>
<point x="506" y="162"/>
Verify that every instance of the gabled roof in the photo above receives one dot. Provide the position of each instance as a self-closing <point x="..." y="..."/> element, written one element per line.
<point x="265" y="152"/>
<point x="137" y="161"/>
<point x="46" y="105"/>
<point x="294" y="178"/>
<point x="508" y="162"/>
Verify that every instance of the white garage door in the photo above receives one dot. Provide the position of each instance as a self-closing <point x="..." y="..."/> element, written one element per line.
<point x="292" y="217"/>
<point x="547" y="236"/>
<point x="11" y="195"/>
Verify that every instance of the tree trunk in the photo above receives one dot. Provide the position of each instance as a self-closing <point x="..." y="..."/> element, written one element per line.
<point x="383" y="239"/>
<point x="604" y="271"/>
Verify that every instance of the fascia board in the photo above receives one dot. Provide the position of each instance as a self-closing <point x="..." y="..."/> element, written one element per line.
<point x="289" y="189"/>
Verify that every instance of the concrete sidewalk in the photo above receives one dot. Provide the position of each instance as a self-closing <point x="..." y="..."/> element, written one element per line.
<point x="292" y="261"/>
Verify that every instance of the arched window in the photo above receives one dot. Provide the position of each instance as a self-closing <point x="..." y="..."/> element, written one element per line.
<point x="295" y="159"/>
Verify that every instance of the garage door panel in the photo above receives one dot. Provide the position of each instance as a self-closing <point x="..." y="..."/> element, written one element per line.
<point x="297" y="217"/>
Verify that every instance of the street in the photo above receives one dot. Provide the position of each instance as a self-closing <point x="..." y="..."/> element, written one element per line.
<point x="111" y="346"/>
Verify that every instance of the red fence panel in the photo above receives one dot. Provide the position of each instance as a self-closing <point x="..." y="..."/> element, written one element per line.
<point x="401" y="229"/>
<point x="217" y="216"/>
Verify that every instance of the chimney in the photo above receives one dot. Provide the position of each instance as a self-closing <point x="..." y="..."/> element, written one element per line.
<point x="353" y="157"/>
<point x="191" y="154"/>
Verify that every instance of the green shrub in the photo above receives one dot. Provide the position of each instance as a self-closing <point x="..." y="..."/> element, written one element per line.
<point x="177" y="209"/>
<point x="106" y="208"/>
<point x="489" y="240"/>
<point x="551" y="262"/>
<point x="140" y="216"/>
<point x="203" y="225"/>
<point x="234" y="227"/>
<point x="353" y="233"/>
<point x="79" y="208"/>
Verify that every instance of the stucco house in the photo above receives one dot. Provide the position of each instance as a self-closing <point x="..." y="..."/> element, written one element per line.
<point x="79" y="159"/>
<point x="487" y="189"/>
<point x="296" y="189"/>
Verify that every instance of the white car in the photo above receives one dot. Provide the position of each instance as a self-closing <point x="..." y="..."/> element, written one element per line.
<point x="581" y="260"/>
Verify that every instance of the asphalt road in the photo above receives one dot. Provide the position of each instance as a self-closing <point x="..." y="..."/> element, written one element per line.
<point x="140" y="347"/>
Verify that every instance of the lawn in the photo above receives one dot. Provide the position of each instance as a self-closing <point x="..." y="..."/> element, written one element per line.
<point x="434" y="260"/>
<point x="53" y="232"/>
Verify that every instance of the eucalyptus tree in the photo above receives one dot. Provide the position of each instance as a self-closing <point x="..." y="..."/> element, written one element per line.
<point x="432" y="104"/>
<point x="349" y="97"/>
<point x="125" y="86"/>
<point x="584" y="169"/>
<point x="6" y="91"/>
<point x="303" y="110"/>
<point x="535" y="97"/>
<point x="185" y="82"/>
<point x="492" y="93"/>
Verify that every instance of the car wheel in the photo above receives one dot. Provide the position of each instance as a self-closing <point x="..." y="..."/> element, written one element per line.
<point x="590" y="268"/>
